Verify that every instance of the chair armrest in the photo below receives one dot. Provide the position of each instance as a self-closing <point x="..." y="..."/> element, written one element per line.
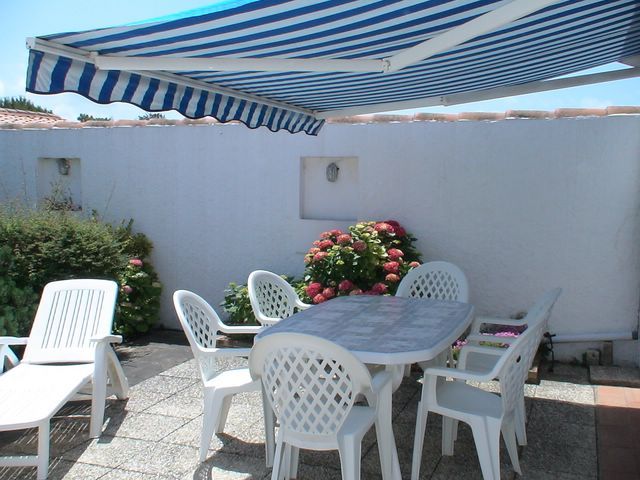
<point x="380" y="380"/>
<point x="482" y="349"/>
<point x="14" y="340"/>
<point x="460" y="374"/>
<point x="226" y="352"/>
<point x="107" y="338"/>
<point x="299" y="304"/>
<point x="491" y="338"/>
<point x="240" y="329"/>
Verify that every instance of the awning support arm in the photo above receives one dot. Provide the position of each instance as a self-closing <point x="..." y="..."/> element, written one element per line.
<point x="458" y="35"/>
<point x="84" y="56"/>
<point x="477" y="96"/>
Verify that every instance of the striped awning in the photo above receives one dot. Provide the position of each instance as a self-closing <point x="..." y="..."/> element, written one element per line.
<point x="288" y="65"/>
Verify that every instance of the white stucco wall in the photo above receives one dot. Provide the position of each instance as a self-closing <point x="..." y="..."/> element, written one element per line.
<point x="520" y="205"/>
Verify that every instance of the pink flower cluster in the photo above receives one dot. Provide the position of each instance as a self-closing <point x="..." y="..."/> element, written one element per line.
<point x="390" y="227"/>
<point x="136" y="262"/>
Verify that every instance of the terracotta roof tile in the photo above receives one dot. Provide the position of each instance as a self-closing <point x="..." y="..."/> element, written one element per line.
<point x="24" y="117"/>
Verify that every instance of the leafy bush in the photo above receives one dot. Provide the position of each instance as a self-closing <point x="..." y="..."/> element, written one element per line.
<point x="51" y="245"/>
<point x="17" y="303"/>
<point x="371" y="259"/>
<point x="237" y="304"/>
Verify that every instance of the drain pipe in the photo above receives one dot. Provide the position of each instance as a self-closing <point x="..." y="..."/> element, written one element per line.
<point x="595" y="337"/>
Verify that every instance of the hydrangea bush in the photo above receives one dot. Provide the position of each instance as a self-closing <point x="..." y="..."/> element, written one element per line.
<point x="370" y="259"/>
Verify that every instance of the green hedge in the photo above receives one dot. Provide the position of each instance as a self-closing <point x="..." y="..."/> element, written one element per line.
<point x="45" y="246"/>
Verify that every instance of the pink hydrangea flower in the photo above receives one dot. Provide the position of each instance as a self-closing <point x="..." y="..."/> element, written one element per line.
<point x="325" y="244"/>
<point x="383" y="227"/>
<point x="136" y="262"/>
<point x="395" y="253"/>
<point x="414" y="264"/>
<point x="355" y="291"/>
<point x="319" y="298"/>
<point x="336" y="232"/>
<point x="313" y="289"/>
<point x="392" y="278"/>
<point x="314" y="250"/>
<point x="345" y="285"/>
<point x="359" y="246"/>
<point x="316" y="243"/>
<point x="400" y="232"/>
<point x="127" y="289"/>
<point x="325" y="235"/>
<point x="393" y="223"/>
<point x="328" y="293"/>
<point x="379" y="288"/>
<point x="343" y="239"/>
<point x="391" y="267"/>
<point x="318" y="257"/>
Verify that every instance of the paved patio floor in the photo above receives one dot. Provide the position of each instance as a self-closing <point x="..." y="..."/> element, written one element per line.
<point x="155" y="434"/>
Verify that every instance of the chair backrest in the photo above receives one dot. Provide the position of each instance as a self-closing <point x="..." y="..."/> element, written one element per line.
<point x="543" y="306"/>
<point x="70" y="313"/>
<point x="272" y="298"/>
<point x="515" y="363"/>
<point x="437" y="280"/>
<point x="310" y="383"/>
<point x="201" y="325"/>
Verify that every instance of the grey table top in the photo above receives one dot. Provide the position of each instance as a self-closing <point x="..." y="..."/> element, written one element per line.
<point x="381" y="329"/>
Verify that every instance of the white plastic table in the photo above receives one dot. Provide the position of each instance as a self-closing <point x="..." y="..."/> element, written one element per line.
<point x="390" y="331"/>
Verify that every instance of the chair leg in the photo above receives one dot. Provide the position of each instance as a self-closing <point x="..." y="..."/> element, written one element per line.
<point x="350" y="450"/>
<point x="384" y="434"/>
<point x="43" y="450"/>
<point x="119" y="381"/>
<point x="212" y="406"/>
<point x="269" y="432"/>
<point x="224" y="413"/>
<point x="294" y="460"/>
<point x="520" y="421"/>
<point x="509" y="435"/>
<point x="277" y="460"/>
<point x="421" y="427"/>
<point x="449" y="428"/>
<point x="486" y="447"/>
<point x="98" y="397"/>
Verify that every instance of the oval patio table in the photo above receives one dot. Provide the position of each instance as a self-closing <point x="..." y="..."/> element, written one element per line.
<point x="389" y="331"/>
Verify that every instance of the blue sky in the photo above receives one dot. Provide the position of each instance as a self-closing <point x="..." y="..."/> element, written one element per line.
<point x="28" y="18"/>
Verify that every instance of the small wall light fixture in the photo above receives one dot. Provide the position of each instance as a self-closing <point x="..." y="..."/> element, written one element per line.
<point x="64" y="165"/>
<point x="332" y="172"/>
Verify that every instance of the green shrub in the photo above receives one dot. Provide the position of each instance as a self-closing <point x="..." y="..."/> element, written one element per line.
<point x="58" y="245"/>
<point x="17" y="303"/>
<point x="370" y="259"/>
<point x="237" y="304"/>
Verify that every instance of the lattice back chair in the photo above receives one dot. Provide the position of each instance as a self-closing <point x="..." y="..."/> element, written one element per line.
<point x="487" y="414"/>
<point x="272" y="298"/>
<point x="475" y="357"/>
<point x="201" y="325"/>
<point x="312" y="385"/>
<point x="436" y="280"/>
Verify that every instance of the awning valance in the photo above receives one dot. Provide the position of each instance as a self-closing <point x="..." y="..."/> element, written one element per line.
<point x="291" y="64"/>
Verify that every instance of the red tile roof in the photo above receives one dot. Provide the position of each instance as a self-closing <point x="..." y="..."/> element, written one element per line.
<point x="9" y="117"/>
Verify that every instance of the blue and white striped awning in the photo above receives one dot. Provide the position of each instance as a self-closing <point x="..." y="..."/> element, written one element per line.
<point x="291" y="64"/>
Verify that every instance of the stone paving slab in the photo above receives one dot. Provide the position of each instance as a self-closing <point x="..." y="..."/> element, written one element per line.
<point x="156" y="434"/>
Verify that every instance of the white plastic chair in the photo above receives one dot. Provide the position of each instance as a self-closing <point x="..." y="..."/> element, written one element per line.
<point x="438" y="281"/>
<point x="68" y="347"/>
<point x="201" y="325"/>
<point x="474" y="357"/>
<point x="312" y="384"/>
<point x="486" y="413"/>
<point x="272" y="298"/>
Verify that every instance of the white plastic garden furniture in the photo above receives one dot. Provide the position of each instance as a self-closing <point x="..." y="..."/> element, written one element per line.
<point x="474" y="357"/>
<point x="272" y="298"/>
<point x="201" y="325"/>
<point x="312" y="384"/>
<point x="486" y="413"/>
<point x="438" y="281"/>
<point x="68" y="347"/>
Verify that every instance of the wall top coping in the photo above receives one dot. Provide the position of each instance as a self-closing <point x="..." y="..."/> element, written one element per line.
<point x="22" y="120"/>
